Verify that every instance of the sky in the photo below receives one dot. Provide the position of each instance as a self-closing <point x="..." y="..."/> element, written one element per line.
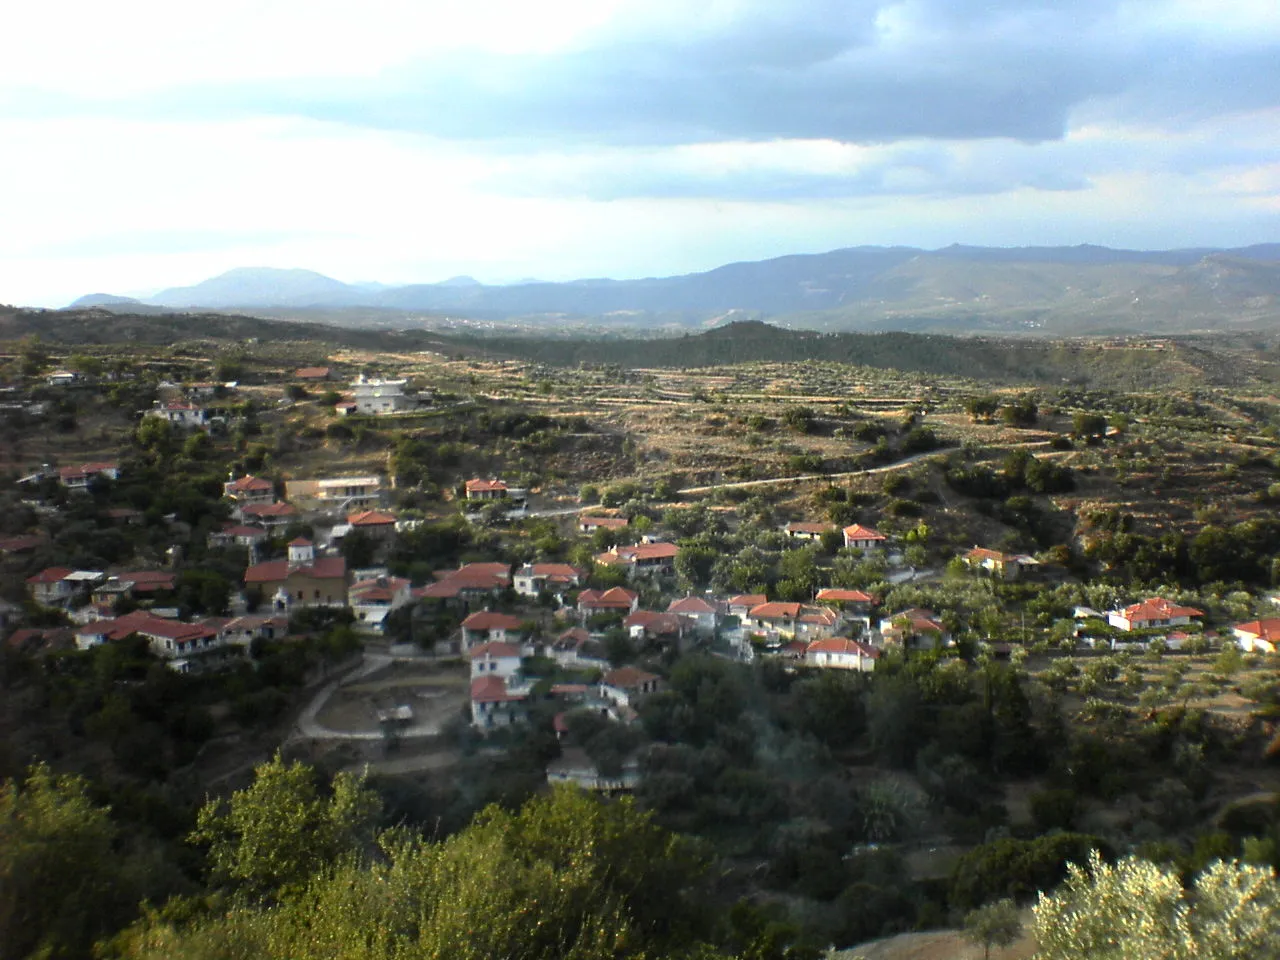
<point x="150" y="144"/>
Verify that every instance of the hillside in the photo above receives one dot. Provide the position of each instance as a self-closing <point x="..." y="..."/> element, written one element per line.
<point x="1059" y="291"/>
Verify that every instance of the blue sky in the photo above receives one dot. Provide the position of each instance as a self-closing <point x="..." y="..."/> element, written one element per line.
<point x="153" y="144"/>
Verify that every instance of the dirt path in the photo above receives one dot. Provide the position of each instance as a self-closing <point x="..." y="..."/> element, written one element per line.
<point x="309" y="728"/>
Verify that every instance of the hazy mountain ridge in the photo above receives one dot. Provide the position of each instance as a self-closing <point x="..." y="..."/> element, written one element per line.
<point x="1058" y="290"/>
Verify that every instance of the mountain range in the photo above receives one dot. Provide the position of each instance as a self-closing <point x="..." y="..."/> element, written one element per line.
<point x="1049" y="290"/>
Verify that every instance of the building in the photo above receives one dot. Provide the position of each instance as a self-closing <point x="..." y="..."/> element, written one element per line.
<point x="701" y="614"/>
<point x="649" y="626"/>
<point x="494" y="704"/>
<point x="79" y="476"/>
<point x="590" y="524"/>
<point x="1258" y="636"/>
<point x="302" y="580"/>
<point x="553" y="578"/>
<point x="794" y="620"/>
<point x="1002" y="565"/>
<point x="643" y="559"/>
<point x="272" y="516"/>
<point x="592" y="602"/>
<point x="1152" y="614"/>
<point x="742" y="605"/>
<point x="495" y="659"/>
<point x="858" y="537"/>
<point x="51" y="588"/>
<point x="171" y="640"/>
<point x="575" y="648"/>
<point x="312" y="374"/>
<point x="237" y="535"/>
<point x="847" y="601"/>
<point x="183" y="415"/>
<point x="471" y="583"/>
<point x="486" y="489"/>
<point x="371" y="601"/>
<point x="485" y="626"/>
<point x="249" y="489"/>
<point x="626" y="686"/>
<point x="342" y="493"/>
<point x="575" y="767"/>
<point x="378" y="397"/>
<point x="242" y="631"/>
<point x="915" y="628"/>
<point x="801" y="530"/>
<point x="841" y="653"/>
<point x="376" y="524"/>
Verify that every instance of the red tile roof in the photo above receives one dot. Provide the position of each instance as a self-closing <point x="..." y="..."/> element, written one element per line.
<point x="858" y="532"/>
<point x="654" y="623"/>
<point x="615" y="598"/>
<point x="492" y="689"/>
<point x="843" y="645"/>
<point x="248" y="484"/>
<point x="748" y="600"/>
<point x="495" y="650"/>
<point x="690" y="605"/>
<point x="241" y="530"/>
<point x="51" y="575"/>
<point x="805" y="526"/>
<point x="839" y="595"/>
<point x="777" y="610"/>
<point x="628" y="678"/>
<point x="1158" y="608"/>
<point x="269" y="510"/>
<point x="371" y="518"/>
<point x="608" y="523"/>
<point x="324" y="568"/>
<point x="638" y="553"/>
<point x="491" y="620"/>
<point x="1268" y="629"/>
<point x="21" y="543"/>
<point x="555" y="571"/>
<point x="311" y="373"/>
<point x="485" y="486"/>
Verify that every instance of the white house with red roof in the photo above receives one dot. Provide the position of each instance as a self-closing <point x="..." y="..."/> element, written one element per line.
<point x="249" y="489"/>
<point x="470" y="583"/>
<point x="171" y="640"/>
<point x="51" y="588"/>
<point x="487" y="626"/>
<point x="858" y="537"/>
<point x="916" y="628"/>
<point x="185" y="416"/>
<point x="590" y="523"/>
<point x="702" y="614"/>
<point x="1152" y="614"/>
<point x="494" y="704"/>
<point x="742" y="605"/>
<point x="371" y="601"/>
<point x="1006" y="566"/>
<point x="807" y="530"/>
<point x="798" y="620"/>
<point x="653" y="627"/>
<point x="846" y="600"/>
<point x="79" y="476"/>
<point x="626" y="686"/>
<point x="614" y="600"/>
<point x="272" y="516"/>
<point x="841" y="653"/>
<point x="1258" y="636"/>
<point x="495" y="658"/>
<point x="238" y="535"/>
<point x="576" y="648"/>
<point x="533" y="579"/>
<point x="480" y="489"/>
<point x="643" y="558"/>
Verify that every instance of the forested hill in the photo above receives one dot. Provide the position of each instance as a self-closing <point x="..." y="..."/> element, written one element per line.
<point x="1128" y="364"/>
<point x="1136" y="364"/>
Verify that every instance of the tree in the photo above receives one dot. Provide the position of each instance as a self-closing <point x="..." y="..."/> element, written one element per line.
<point x="995" y="925"/>
<point x="276" y="833"/>
<point x="1140" y="910"/>
<point x="1084" y="424"/>
<point x="982" y="409"/>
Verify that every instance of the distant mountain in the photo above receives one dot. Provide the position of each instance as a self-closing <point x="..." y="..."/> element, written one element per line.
<point x="103" y="300"/>
<point x="1057" y="290"/>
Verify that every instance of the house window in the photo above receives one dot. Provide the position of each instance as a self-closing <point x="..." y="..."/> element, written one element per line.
<point x="317" y="594"/>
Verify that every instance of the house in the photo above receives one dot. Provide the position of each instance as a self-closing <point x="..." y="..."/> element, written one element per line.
<point x="916" y="628"/>
<point x="495" y="659"/>
<point x="34" y="641"/>
<point x="185" y="416"/>
<point x="378" y="397"/>
<point x="50" y="587"/>
<point x="237" y="535"/>
<point x="553" y="578"/>
<point x="312" y="374"/>
<point x="1002" y="565"/>
<point x="494" y="704"/>
<point x="652" y="627"/>
<point x="249" y="489"/>
<point x="802" y="530"/>
<point x="344" y="493"/>
<point x="858" y="537"/>
<point x="741" y="605"/>
<point x="847" y="601"/>
<point x="203" y="388"/>
<point x="1258" y="636"/>
<point x="614" y="600"/>
<point x="273" y="516"/>
<point x="590" y="524"/>
<point x="376" y="524"/>
<point x="470" y="583"/>
<point x="242" y="631"/>
<point x="23" y="543"/>
<point x="372" y="600"/>
<point x="485" y="626"/>
<point x="841" y="653"/>
<point x="61" y="378"/>
<point x="1152" y="613"/>
<point x="626" y="686"/>
<point x="302" y="579"/>
<point x="702" y="614"/>
<point x="171" y="640"/>
<point x="643" y="558"/>
<point x="148" y="582"/>
<point x="78" y="477"/>
<point x="575" y="648"/>
<point x="575" y="767"/>
<point x="486" y="489"/>
<point x="796" y="620"/>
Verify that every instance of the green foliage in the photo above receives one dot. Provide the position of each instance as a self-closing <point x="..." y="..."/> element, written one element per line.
<point x="274" y="835"/>
<point x="1015" y="868"/>
<point x="1137" y="910"/>
<point x="995" y="925"/>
